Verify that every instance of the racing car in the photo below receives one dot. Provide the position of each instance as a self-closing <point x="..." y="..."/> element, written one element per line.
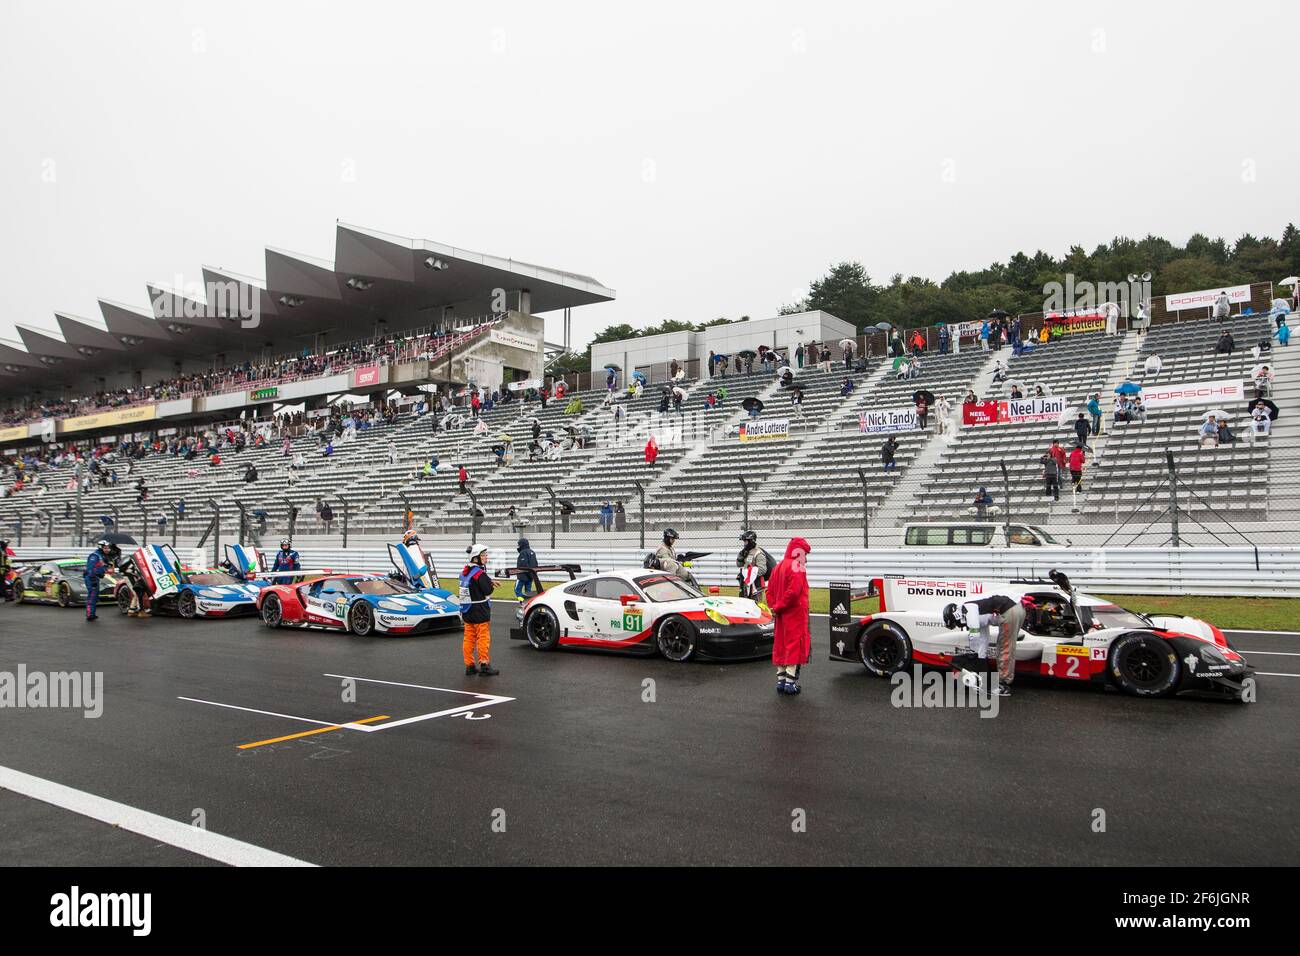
<point x="1067" y="635"/>
<point x="404" y="601"/>
<point x="644" y="612"/>
<point x="61" y="582"/>
<point x="171" y="588"/>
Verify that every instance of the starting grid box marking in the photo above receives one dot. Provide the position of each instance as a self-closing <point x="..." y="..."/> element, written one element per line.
<point x="369" y="724"/>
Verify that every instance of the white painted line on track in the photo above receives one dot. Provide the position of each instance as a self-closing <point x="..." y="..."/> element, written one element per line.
<point x="1272" y="674"/>
<point x="1233" y="630"/>
<point x="192" y="839"/>
<point x="1272" y="653"/>
<point x="485" y="700"/>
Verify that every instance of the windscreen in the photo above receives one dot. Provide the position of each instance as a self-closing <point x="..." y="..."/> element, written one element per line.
<point x="661" y="588"/>
<point x="211" y="578"/>
<point x="1109" y="615"/>
<point x="381" y="586"/>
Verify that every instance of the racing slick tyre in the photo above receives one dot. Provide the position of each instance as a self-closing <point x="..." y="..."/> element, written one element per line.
<point x="884" y="648"/>
<point x="186" y="605"/>
<point x="542" y="628"/>
<point x="20" y="592"/>
<point x="1144" y="665"/>
<point x="676" y="638"/>
<point x="123" y="597"/>
<point x="272" y="611"/>
<point x="64" y="596"/>
<point x="361" y="619"/>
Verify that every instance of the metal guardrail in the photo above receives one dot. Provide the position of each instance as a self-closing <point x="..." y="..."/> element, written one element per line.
<point x="1225" y="572"/>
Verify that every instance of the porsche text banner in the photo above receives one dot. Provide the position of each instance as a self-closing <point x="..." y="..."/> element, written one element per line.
<point x="1194" y="393"/>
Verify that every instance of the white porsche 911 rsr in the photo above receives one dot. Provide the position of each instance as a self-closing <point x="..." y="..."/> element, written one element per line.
<point x="645" y="612"/>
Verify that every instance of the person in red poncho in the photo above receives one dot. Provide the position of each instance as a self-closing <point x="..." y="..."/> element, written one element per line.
<point x="787" y="596"/>
<point x="651" y="451"/>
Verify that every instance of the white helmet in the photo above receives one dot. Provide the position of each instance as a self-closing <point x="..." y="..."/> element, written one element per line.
<point x="476" y="551"/>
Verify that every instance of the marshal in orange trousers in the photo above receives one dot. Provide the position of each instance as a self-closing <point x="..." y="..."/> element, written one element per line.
<point x="478" y="638"/>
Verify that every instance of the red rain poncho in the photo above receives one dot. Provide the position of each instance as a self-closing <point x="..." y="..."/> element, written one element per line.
<point x="787" y="596"/>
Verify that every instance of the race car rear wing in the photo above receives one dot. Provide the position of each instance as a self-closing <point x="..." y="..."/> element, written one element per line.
<point x="572" y="570"/>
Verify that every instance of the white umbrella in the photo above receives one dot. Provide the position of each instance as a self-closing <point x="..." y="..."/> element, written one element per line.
<point x="1014" y="383"/>
<point x="846" y="343"/>
<point x="1265" y="370"/>
<point x="1290" y="280"/>
<point x="783" y="369"/>
<point x="1217" y="413"/>
<point x="677" y="391"/>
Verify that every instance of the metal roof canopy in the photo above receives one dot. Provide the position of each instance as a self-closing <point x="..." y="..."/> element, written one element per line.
<point x="377" y="280"/>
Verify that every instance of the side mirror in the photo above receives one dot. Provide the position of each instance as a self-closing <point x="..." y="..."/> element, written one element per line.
<point x="626" y="599"/>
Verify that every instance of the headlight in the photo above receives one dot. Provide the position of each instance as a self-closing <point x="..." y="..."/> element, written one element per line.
<point x="1211" y="655"/>
<point x="391" y="606"/>
<point x="715" y="616"/>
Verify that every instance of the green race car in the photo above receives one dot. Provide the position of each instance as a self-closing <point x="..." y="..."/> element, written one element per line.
<point x="61" y="582"/>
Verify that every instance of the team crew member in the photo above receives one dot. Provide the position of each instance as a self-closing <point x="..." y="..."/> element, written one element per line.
<point x="787" y="596"/>
<point x="97" y="566"/>
<point x="286" y="559"/>
<point x="1009" y="616"/>
<point x="755" y="568"/>
<point x="476" y="612"/>
<point x="666" y="557"/>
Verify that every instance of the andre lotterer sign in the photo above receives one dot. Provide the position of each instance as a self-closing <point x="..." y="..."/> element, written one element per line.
<point x="763" y="429"/>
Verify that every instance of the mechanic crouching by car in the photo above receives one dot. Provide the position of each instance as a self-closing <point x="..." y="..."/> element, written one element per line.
<point x="476" y="612"/>
<point x="97" y="565"/>
<point x="1009" y="616"/>
<point x="787" y="596"/>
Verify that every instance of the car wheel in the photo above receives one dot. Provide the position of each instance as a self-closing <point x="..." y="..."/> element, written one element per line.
<point x="186" y="606"/>
<point x="361" y="619"/>
<point x="272" y="611"/>
<point x="123" y="597"/>
<point x="64" y="596"/>
<point x="542" y="628"/>
<point x="19" y="591"/>
<point x="676" y="638"/>
<point x="1144" y="665"/>
<point x="884" y="648"/>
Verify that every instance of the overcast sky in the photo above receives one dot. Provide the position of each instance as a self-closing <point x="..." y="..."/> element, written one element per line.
<point x="701" y="158"/>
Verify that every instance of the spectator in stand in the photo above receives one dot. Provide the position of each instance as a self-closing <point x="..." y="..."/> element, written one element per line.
<point x="1226" y="437"/>
<point x="984" y="335"/>
<point x="943" y="408"/>
<point x="1209" y="433"/>
<point x="1057" y="453"/>
<point x="710" y="402"/>
<point x="1077" y="458"/>
<point x="1138" y="413"/>
<point x="474" y="404"/>
<point x="1142" y="321"/>
<point x="1082" y="430"/>
<point x="887" y="453"/>
<point x="970" y="398"/>
<point x="796" y="400"/>
<point x="462" y="476"/>
<point x="798" y="355"/>
<point x="1016" y="392"/>
<point x="250" y="474"/>
<point x="918" y="342"/>
<point x="1226" y="344"/>
<point x="1094" y="410"/>
<point x="922" y="414"/>
<point x="826" y="359"/>
<point x="945" y="340"/>
<point x="1222" y="307"/>
<point x="982" y="502"/>
<point x="1283" y="333"/>
<point x="651" y="451"/>
<point x="1153" y="366"/>
<point x="713" y="358"/>
<point x="1261" y="423"/>
<point x="1051" y="477"/>
<point x="847" y="387"/>
<point x="848" y="357"/>
<point x="606" y="516"/>
<point x="620" y="517"/>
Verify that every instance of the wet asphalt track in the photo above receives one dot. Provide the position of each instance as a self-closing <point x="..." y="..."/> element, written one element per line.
<point x="586" y="772"/>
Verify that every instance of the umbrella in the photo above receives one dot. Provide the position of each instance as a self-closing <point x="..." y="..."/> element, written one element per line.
<point x="747" y="353"/>
<point x="261" y="513"/>
<point x="752" y="403"/>
<point x="116" y="537"/>
<point x="999" y="314"/>
<point x="783" y="369"/>
<point x="846" y="343"/>
<point x="1266" y="370"/>
<point x="901" y="360"/>
<point x="1047" y="389"/>
<point x="1217" y="413"/>
<point x="884" y="326"/>
<point x="923" y="394"/>
<point x="612" y="368"/>
<point x="1290" y="280"/>
<point x="507" y="439"/>
<point x="678" y="392"/>
<point x="1272" y="408"/>
<point x="1014" y="383"/>
<point x="1129" y="388"/>
<point x="639" y="377"/>
<point x="940" y="322"/>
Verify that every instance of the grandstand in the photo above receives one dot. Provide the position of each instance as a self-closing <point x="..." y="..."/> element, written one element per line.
<point x="820" y="474"/>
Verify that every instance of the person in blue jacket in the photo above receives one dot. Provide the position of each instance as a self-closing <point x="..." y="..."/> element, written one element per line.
<point x="97" y="565"/>
<point x="526" y="581"/>
<point x="286" y="559"/>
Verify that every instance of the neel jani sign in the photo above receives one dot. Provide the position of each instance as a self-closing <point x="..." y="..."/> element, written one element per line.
<point x="887" y="420"/>
<point x="1015" y="411"/>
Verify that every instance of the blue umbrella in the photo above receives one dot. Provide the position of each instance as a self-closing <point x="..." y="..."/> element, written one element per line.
<point x="1129" y="388"/>
<point x="639" y="377"/>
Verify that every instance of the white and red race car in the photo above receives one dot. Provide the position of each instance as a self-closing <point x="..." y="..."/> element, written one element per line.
<point x="1067" y="635"/>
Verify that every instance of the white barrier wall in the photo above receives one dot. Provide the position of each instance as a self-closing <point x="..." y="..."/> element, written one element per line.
<point x="1211" y="571"/>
